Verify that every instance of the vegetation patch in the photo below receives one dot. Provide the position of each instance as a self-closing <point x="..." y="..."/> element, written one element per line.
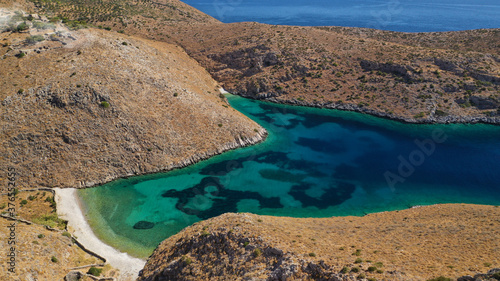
<point x="50" y="220"/>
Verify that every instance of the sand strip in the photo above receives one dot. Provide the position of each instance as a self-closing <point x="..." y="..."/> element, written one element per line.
<point x="68" y="208"/>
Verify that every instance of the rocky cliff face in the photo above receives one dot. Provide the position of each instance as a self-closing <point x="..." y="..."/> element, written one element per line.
<point x="80" y="108"/>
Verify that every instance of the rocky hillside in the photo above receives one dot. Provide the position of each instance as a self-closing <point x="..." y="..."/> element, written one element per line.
<point x="413" y="77"/>
<point x="413" y="244"/>
<point x="410" y="77"/>
<point x="79" y="108"/>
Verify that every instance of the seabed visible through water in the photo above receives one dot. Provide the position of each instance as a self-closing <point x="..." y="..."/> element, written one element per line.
<point x="315" y="163"/>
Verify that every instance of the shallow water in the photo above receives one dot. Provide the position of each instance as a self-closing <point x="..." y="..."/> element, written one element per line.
<point x="315" y="163"/>
<point x="395" y="15"/>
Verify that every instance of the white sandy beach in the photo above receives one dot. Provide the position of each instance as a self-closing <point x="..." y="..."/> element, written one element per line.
<point x="68" y="208"/>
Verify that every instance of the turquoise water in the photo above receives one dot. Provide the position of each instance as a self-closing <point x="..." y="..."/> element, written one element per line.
<point x="315" y="163"/>
<point x="395" y="15"/>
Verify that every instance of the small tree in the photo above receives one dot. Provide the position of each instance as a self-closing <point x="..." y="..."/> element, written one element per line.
<point x="94" y="271"/>
<point x="22" y="27"/>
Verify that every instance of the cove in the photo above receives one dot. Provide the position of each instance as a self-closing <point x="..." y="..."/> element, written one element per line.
<point x="314" y="163"/>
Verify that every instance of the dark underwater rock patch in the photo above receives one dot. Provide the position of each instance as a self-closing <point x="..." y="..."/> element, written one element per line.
<point x="335" y="195"/>
<point x="224" y="200"/>
<point x="143" y="225"/>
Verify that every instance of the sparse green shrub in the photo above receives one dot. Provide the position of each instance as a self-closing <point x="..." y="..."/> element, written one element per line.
<point x="420" y="115"/>
<point x="246" y="243"/>
<point x="372" y="269"/>
<point x="487" y="264"/>
<point x="51" y="220"/>
<point x="51" y="200"/>
<point x="41" y="236"/>
<point x="31" y="197"/>
<point x="20" y="91"/>
<point x="22" y="27"/>
<point x="186" y="260"/>
<point x="176" y="94"/>
<point x="344" y="270"/>
<point x="124" y="43"/>
<point x="54" y="259"/>
<point x="257" y="252"/>
<point x="35" y="242"/>
<point x="24" y="202"/>
<point x="105" y="104"/>
<point x="34" y="39"/>
<point x="361" y="276"/>
<point x="355" y="269"/>
<point x="94" y="271"/>
<point x="43" y="25"/>
<point x="378" y="264"/>
<point x="21" y="54"/>
<point x="441" y="113"/>
<point x="54" y="19"/>
<point x="357" y="253"/>
<point x="312" y="254"/>
<point x="3" y="205"/>
<point x="358" y="260"/>
<point x="67" y="234"/>
<point x="440" y="278"/>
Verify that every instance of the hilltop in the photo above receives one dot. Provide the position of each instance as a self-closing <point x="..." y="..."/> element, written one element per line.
<point x="421" y="243"/>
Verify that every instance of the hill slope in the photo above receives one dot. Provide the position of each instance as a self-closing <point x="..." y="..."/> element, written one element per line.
<point x="421" y="77"/>
<point x="84" y="107"/>
<point x="414" y="244"/>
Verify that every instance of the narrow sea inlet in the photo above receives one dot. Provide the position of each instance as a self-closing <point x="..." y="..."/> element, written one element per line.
<point x="315" y="163"/>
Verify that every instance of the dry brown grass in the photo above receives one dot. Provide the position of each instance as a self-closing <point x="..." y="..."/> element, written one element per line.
<point x="415" y="244"/>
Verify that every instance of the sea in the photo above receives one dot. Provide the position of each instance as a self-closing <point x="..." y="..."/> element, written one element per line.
<point x="315" y="162"/>
<point x="395" y="15"/>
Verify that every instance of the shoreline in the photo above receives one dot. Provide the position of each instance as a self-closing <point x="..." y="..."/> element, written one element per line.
<point x="239" y="142"/>
<point x="434" y="120"/>
<point x="69" y="208"/>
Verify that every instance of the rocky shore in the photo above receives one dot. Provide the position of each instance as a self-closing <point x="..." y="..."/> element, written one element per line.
<point x="361" y="109"/>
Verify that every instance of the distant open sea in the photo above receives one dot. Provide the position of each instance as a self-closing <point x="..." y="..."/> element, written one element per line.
<point x="395" y="15"/>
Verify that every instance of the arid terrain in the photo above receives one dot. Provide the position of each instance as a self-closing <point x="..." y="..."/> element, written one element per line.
<point x="413" y="77"/>
<point x="93" y="90"/>
<point x="80" y="108"/>
<point x="421" y="243"/>
<point x="42" y="253"/>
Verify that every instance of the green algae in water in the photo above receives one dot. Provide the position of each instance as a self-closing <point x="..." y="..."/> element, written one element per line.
<point x="315" y="163"/>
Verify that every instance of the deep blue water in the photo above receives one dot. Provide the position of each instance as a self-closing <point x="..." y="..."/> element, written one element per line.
<point x="315" y="163"/>
<point x="395" y="15"/>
